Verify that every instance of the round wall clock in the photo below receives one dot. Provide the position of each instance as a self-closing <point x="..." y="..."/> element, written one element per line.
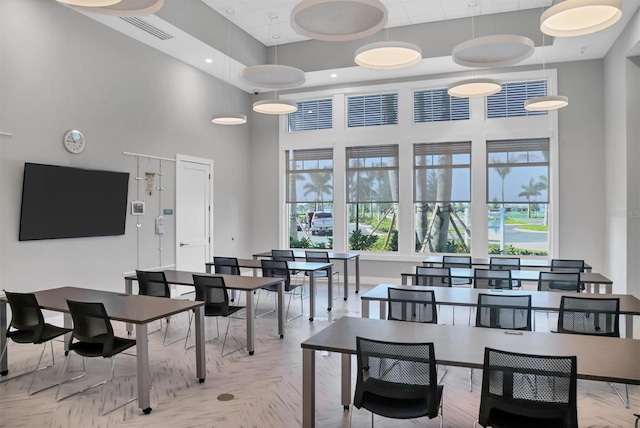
<point x="73" y="141"/>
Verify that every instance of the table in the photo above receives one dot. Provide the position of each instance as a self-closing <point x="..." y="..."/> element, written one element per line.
<point x="537" y="264"/>
<point x="586" y="278"/>
<point x="619" y="364"/>
<point x="138" y="310"/>
<point x="247" y="284"/>
<point x="345" y="257"/>
<point x="468" y="297"/>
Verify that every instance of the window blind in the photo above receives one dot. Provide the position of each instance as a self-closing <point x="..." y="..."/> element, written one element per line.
<point x="509" y="102"/>
<point x="309" y="176"/>
<point x="442" y="172"/>
<point x="372" y="174"/>
<point x="438" y="106"/>
<point x="312" y="115"/>
<point x="372" y="110"/>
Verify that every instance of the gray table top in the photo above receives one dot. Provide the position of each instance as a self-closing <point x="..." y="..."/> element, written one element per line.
<point x="463" y="346"/>
<point x="232" y="282"/>
<point x="304" y="266"/>
<point x="301" y="255"/>
<point x="526" y="275"/>
<point x="484" y="261"/>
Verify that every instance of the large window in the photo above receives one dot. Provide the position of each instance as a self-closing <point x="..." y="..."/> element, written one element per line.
<point x="518" y="196"/>
<point x="372" y="110"/>
<point x="310" y="198"/>
<point x="442" y="196"/>
<point x="372" y="197"/>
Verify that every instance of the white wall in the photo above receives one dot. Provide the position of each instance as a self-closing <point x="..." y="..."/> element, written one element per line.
<point x="61" y="70"/>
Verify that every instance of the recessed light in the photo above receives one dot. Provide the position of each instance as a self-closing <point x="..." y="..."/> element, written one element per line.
<point x="334" y="75"/>
<point x="209" y="60"/>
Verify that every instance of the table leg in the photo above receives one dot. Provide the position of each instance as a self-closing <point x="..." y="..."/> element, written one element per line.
<point x="346" y="279"/>
<point x="201" y="358"/>
<point x="628" y="326"/>
<point x="4" y="367"/>
<point x="281" y="311"/>
<point x="357" y="274"/>
<point x="346" y="381"/>
<point x="365" y="308"/>
<point x="143" y="372"/>
<point x="68" y="323"/>
<point x="308" y="388"/>
<point x="330" y="291"/>
<point x="251" y="322"/>
<point x="128" y="289"/>
<point x="404" y="279"/>
<point x="312" y="295"/>
<point x="383" y="310"/>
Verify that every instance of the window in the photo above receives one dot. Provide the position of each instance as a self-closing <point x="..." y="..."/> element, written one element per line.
<point x="509" y="102"/>
<point x="438" y="106"/>
<point x="372" y="197"/>
<point x="518" y="196"/>
<point x="309" y="191"/>
<point x="312" y="115"/>
<point x="372" y="110"/>
<point x="442" y="197"/>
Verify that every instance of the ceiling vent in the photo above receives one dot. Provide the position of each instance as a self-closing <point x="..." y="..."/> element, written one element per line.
<point x="145" y="26"/>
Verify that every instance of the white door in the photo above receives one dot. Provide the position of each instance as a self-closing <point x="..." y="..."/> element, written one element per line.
<point x="194" y="212"/>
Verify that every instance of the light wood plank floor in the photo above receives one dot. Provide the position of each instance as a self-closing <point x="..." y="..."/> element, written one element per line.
<point x="266" y="386"/>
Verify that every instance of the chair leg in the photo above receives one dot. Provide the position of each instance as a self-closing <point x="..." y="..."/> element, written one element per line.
<point x="626" y="390"/>
<point x="446" y="369"/>
<point x="189" y="333"/>
<point x="289" y="305"/>
<point x="38" y="368"/>
<point x="224" y="342"/>
<point x="84" y="372"/>
<point x="470" y="380"/>
<point x="166" y="330"/>
<point x="106" y="391"/>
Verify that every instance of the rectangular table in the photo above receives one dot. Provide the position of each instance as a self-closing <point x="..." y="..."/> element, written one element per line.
<point x="468" y="297"/>
<point x="247" y="284"/>
<point x="586" y="278"/>
<point x="463" y="346"/>
<point x="138" y="310"/>
<point x="345" y="257"/>
<point x="538" y="264"/>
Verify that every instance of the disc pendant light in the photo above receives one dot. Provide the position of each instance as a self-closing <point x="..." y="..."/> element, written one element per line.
<point x="580" y="17"/>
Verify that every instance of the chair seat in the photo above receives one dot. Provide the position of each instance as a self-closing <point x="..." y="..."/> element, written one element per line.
<point x="27" y="336"/>
<point x="90" y="349"/>
<point x="216" y="311"/>
<point x="397" y="408"/>
<point x="502" y="419"/>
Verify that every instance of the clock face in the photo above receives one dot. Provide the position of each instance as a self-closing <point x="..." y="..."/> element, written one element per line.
<point x="73" y="141"/>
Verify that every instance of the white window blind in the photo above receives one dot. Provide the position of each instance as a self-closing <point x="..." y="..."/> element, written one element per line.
<point x="372" y="110"/>
<point x="442" y="172"/>
<point x="312" y="115"/>
<point x="309" y="176"/>
<point x="509" y="102"/>
<point x="438" y="106"/>
<point x="372" y="174"/>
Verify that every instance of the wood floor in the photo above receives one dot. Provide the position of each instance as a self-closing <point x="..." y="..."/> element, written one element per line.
<point x="266" y="387"/>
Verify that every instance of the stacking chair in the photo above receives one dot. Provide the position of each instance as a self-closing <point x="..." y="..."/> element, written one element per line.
<point x="321" y="257"/>
<point x="502" y="312"/>
<point x="93" y="337"/>
<point x="397" y="380"/>
<point x="559" y="281"/>
<point x="594" y="317"/>
<point x="412" y="305"/>
<point x="213" y="292"/>
<point x="492" y="279"/>
<point x="433" y="276"/>
<point x="154" y="283"/>
<point x="279" y="269"/>
<point x="457" y="262"/>
<point x="520" y="390"/>
<point x="27" y="326"/>
<point x="227" y="266"/>
<point x="506" y="263"/>
<point x="567" y="265"/>
<point x="284" y="256"/>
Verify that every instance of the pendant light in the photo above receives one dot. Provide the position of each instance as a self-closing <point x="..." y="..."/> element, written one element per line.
<point x="120" y="8"/>
<point x="229" y="118"/>
<point x="580" y="17"/>
<point x="90" y="3"/>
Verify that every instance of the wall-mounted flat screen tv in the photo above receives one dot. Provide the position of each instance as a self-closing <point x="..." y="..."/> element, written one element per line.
<point x="64" y="202"/>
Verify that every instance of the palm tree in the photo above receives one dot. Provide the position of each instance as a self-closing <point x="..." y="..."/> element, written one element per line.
<point x="319" y="185"/>
<point x="531" y="190"/>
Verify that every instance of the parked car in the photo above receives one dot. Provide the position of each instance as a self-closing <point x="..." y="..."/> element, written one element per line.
<point x="322" y="223"/>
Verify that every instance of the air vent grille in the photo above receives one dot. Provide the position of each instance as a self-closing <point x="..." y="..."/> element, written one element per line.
<point x="145" y="26"/>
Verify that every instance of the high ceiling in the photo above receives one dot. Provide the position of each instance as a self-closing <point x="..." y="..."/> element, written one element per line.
<point x="197" y="29"/>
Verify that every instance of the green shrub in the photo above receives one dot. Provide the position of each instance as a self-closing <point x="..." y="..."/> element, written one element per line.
<point x="361" y="241"/>
<point x="511" y="250"/>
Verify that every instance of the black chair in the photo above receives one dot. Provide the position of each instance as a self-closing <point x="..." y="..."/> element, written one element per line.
<point x="593" y="317"/>
<point x="322" y="257"/>
<point x="491" y="279"/>
<point x="457" y="262"/>
<point x="506" y="263"/>
<point x="279" y="269"/>
<point x="520" y="390"/>
<point x="433" y="276"/>
<point x="284" y="256"/>
<point x="27" y="326"/>
<point x="397" y="380"/>
<point x="567" y="265"/>
<point x="559" y="281"/>
<point x="93" y="337"/>
<point x="412" y="305"/>
<point x="154" y="283"/>
<point x="213" y="292"/>
<point x="227" y="266"/>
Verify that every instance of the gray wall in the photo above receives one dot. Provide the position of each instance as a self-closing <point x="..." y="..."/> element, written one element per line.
<point x="61" y="70"/>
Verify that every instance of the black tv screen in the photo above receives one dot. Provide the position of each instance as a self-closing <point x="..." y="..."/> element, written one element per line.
<point x="64" y="202"/>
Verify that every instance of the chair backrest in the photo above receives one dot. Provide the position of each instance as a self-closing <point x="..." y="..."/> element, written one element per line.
<point x="491" y="278"/>
<point x="508" y="263"/>
<point x="213" y="292"/>
<point x="588" y="315"/>
<point x="396" y="370"/>
<point x="504" y="312"/>
<point x="567" y="265"/>
<point x="412" y="305"/>
<point x="317" y="256"/>
<point x="434" y="276"/>
<point x="152" y="283"/>
<point x="277" y="269"/>
<point x="26" y="314"/>
<point x="559" y="281"/>
<point x="226" y="265"/>
<point x="91" y="325"/>
<point x="283" y="255"/>
<point x="456" y="261"/>
<point x="529" y="385"/>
